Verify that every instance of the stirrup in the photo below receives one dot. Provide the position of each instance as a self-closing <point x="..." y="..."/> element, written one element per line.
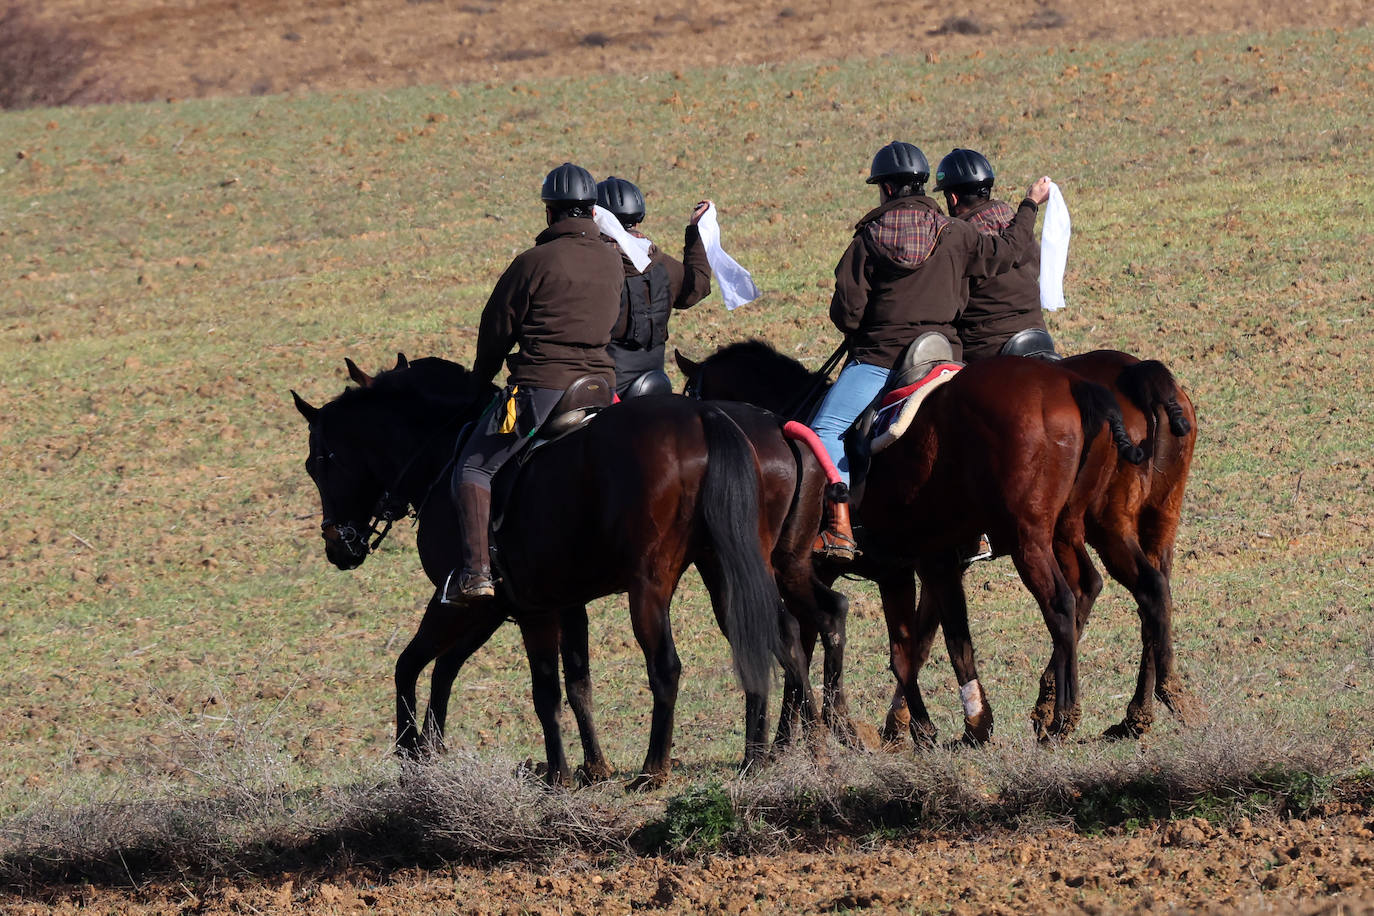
<point x="831" y="545"/>
<point x="983" y="551"/>
<point x="466" y="586"/>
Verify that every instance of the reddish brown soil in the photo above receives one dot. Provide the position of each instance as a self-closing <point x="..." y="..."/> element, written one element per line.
<point x="154" y="49"/>
<point x="146" y="49"/>
<point x="1322" y="865"/>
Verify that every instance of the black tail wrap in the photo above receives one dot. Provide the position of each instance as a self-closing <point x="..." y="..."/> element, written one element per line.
<point x="1098" y="406"/>
<point x="1150" y="385"/>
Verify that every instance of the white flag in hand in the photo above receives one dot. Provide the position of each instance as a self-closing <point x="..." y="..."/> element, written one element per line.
<point x="636" y="249"/>
<point x="1054" y="251"/>
<point x="736" y="286"/>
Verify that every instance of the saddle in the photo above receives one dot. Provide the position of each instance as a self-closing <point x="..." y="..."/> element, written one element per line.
<point x="582" y="400"/>
<point x="926" y="364"/>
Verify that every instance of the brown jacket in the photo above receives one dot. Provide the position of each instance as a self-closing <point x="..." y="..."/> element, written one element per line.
<point x="558" y="302"/>
<point x="999" y="306"/>
<point x="906" y="272"/>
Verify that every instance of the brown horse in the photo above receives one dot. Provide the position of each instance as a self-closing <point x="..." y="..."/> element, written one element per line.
<point x="622" y="505"/>
<point x="1009" y="448"/>
<point x="1132" y="524"/>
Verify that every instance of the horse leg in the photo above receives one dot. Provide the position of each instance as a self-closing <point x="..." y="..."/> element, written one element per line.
<point x="798" y="700"/>
<point x="1042" y="576"/>
<point x="1086" y="584"/>
<point x="943" y="581"/>
<point x="541" y="636"/>
<point x="831" y="613"/>
<point x="819" y="611"/>
<point x="899" y="720"/>
<point x="653" y="630"/>
<point x="452" y="638"/>
<point x="910" y="631"/>
<point x="578" y="680"/>
<point x="796" y="677"/>
<point x="1157" y="541"/>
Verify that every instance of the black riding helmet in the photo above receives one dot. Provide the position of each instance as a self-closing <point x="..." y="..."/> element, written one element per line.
<point x="963" y="170"/>
<point x="621" y="198"/>
<point x="569" y="185"/>
<point x="899" y="160"/>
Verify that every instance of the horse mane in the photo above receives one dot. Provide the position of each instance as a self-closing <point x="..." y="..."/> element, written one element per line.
<point x="426" y="385"/>
<point x="765" y="357"/>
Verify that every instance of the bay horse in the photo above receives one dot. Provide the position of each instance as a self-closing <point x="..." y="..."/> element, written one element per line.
<point x="1131" y="520"/>
<point x="1006" y="448"/>
<point x="624" y="504"/>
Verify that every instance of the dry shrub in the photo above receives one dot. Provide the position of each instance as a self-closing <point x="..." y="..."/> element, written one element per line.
<point x="44" y="65"/>
<point x="460" y="808"/>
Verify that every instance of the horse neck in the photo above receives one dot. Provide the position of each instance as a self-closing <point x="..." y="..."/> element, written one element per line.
<point x="413" y="444"/>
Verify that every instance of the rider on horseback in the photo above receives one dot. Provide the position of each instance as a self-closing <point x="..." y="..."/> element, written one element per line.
<point x="557" y="302"/>
<point x="649" y="297"/>
<point x="1003" y="312"/>
<point x="905" y="273"/>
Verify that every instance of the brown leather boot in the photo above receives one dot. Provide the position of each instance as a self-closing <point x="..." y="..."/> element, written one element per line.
<point x="836" y="540"/>
<point x="473" y="582"/>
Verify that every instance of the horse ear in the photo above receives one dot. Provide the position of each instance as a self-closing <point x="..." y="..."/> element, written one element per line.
<point x="306" y="410"/>
<point x="401" y="361"/>
<point x="358" y="375"/>
<point x="685" y="365"/>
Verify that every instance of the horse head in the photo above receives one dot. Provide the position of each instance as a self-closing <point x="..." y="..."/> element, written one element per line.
<point x="376" y="448"/>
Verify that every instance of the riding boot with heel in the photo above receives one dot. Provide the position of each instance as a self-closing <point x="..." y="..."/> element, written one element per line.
<point x="473" y="582"/>
<point x="836" y="540"/>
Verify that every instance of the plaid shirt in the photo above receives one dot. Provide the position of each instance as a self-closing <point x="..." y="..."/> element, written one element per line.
<point x="992" y="219"/>
<point x="906" y="237"/>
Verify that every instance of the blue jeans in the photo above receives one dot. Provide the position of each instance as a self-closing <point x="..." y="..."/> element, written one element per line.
<point x="857" y="386"/>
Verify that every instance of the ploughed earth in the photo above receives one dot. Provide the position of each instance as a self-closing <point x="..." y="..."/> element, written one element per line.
<point x="153" y="49"/>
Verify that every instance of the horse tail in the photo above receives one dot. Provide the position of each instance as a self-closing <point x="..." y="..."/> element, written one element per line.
<point x="1097" y="405"/>
<point x="730" y="506"/>
<point x="1150" y="385"/>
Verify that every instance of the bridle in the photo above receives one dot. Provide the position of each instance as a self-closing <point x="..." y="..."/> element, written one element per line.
<point x="388" y="509"/>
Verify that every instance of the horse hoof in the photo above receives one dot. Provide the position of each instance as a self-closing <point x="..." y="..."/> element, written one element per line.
<point x="923" y="735"/>
<point x="1126" y="730"/>
<point x="645" y="782"/>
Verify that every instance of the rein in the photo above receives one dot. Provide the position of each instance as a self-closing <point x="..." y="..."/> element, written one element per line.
<point x="821" y="377"/>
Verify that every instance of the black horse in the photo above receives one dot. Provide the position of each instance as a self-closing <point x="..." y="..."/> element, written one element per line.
<point x="1009" y="447"/>
<point x="622" y="505"/>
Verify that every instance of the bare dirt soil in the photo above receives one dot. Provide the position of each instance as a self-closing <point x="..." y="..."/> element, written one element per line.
<point x="154" y="49"/>
<point x="147" y="49"/>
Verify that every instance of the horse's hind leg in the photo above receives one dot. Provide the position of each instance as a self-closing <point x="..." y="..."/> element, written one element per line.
<point x="1129" y="565"/>
<point x="1086" y="584"/>
<point x="1042" y="576"/>
<point x="578" y="680"/>
<point x="653" y="630"/>
<point x="541" y="636"/>
<point x="451" y="637"/>
<point x="911" y="628"/>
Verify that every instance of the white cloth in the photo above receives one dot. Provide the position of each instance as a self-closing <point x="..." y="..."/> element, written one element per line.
<point x="735" y="284"/>
<point x="1054" y="251"/>
<point x="636" y="249"/>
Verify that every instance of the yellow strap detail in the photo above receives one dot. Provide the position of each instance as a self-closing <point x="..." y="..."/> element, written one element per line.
<point x="508" y="420"/>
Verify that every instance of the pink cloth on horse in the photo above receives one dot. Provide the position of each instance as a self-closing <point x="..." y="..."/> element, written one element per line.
<point x="897" y="394"/>
<point x="800" y="431"/>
